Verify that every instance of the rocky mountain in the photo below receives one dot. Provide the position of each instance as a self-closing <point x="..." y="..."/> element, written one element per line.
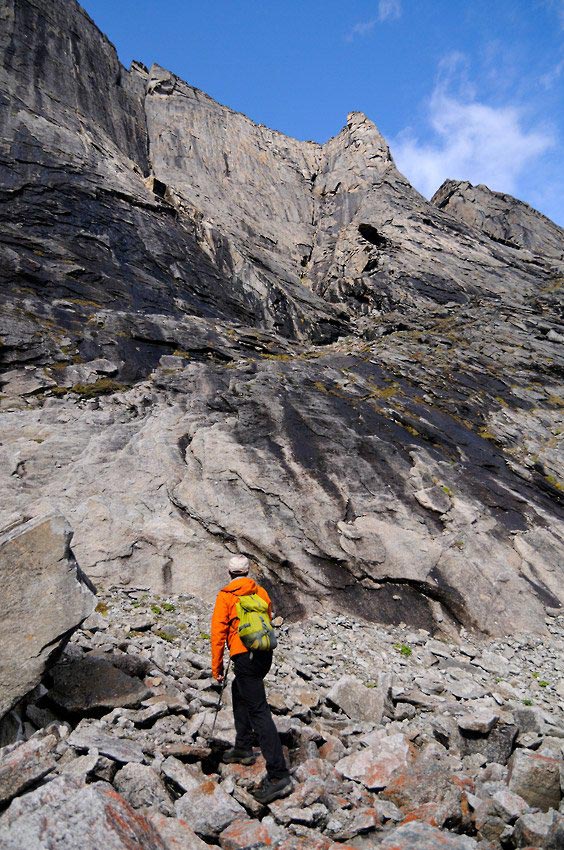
<point x="217" y="339"/>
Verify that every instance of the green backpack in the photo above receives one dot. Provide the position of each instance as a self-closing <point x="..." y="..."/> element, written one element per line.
<point x="255" y="628"/>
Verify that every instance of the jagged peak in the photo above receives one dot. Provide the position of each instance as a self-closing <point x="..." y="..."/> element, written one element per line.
<point x="362" y="129"/>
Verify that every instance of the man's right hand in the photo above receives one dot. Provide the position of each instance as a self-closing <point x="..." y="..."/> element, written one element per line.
<point x="219" y="678"/>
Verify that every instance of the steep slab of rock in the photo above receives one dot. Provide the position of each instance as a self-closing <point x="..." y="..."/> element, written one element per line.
<point x="503" y="218"/>
<point x="45" y="598"/>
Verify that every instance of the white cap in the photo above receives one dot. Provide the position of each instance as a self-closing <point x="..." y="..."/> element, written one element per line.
<point x="239" y="565"/>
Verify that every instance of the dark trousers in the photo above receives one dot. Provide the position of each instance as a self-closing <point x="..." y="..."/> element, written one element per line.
<point x="252" y="712"/>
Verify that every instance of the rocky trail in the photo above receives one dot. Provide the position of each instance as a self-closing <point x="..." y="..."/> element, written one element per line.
<point x="395" y="739"/>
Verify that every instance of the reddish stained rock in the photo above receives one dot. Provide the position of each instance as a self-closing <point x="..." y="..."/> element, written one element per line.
<point x="176" y="833"/>
<point x="68" y="815"/>
<point x="333" y="749"/>
<point x="22" y="764"/>
<point x="425" y="813"/>
<point x="375" y="766"/>
<point x="314" y="767"/>
<point x="245" y="775"/>
<point x="429" y="787"/>
<point x="535" y="778"/>
<point x="245" y="834"/>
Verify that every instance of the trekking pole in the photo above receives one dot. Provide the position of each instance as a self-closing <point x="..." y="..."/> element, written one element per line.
<point x="219" y="703"/>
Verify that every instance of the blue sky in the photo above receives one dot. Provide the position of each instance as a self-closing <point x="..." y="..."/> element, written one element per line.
<point x="466" y="89"/>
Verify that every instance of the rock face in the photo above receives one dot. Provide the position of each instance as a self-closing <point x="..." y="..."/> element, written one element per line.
<point x="280" y="346"/>
<point x="503" y="218"/>
<point x="45" y="598"/>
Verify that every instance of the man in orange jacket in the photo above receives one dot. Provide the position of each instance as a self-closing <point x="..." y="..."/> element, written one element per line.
<point x="250" y="708"/>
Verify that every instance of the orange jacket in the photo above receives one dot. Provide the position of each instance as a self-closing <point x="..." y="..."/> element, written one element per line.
<point x="225" y="622"/>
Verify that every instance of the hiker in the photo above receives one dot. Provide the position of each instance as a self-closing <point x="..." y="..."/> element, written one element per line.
<point x="251" y="711"/>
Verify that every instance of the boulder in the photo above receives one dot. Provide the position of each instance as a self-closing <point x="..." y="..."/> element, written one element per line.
<point x="208" y="809"/>
<point x="374" y="766"/>
<point x="555" y="835"/>
<point x="183" y="776"/>
<point x="508" y="806"/>
<point x="535" y="778"/>
<point x="23" y="764"/>
<point x="176" y="834"/>
<point x="88" y="737"/>
<point x="358" y="822"/>
<point x="422" y="836"/>
<point x="428" y="789"/>
<point x="142" y="787"/>
<point x="359" y="702"/>
<point x="532" y="829"/>
<point x="45" y="597"/>
<point x="495" y="746"/>
<point x="481" y="721"/>
<point x="249" y="834"/>
<point x="91" y="684"/>
<point x="69" y="815"/>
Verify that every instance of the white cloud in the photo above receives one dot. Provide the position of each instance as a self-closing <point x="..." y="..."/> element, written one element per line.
<point x="362" y="28"/>
<point x="470" y="141"/>
<point x="388" y="10"/>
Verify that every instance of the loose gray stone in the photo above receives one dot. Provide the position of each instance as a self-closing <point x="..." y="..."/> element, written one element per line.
<point x="186" y="777"/>
<point x="359" y="702"/>
<point x="118" y="749"/>
<point x="142" y="787"/>
<point x="532" y="829"/>
<point x="422" y="836"/>
<point x="509" y="806"/>
<point x="481" y="720"/>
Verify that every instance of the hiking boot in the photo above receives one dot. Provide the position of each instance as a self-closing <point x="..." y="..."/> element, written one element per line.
<point x="273" y="789"/>
<point x="236" y="755"/>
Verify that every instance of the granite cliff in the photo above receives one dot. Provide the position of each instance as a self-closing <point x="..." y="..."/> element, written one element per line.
<point x="215" y="338"/>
